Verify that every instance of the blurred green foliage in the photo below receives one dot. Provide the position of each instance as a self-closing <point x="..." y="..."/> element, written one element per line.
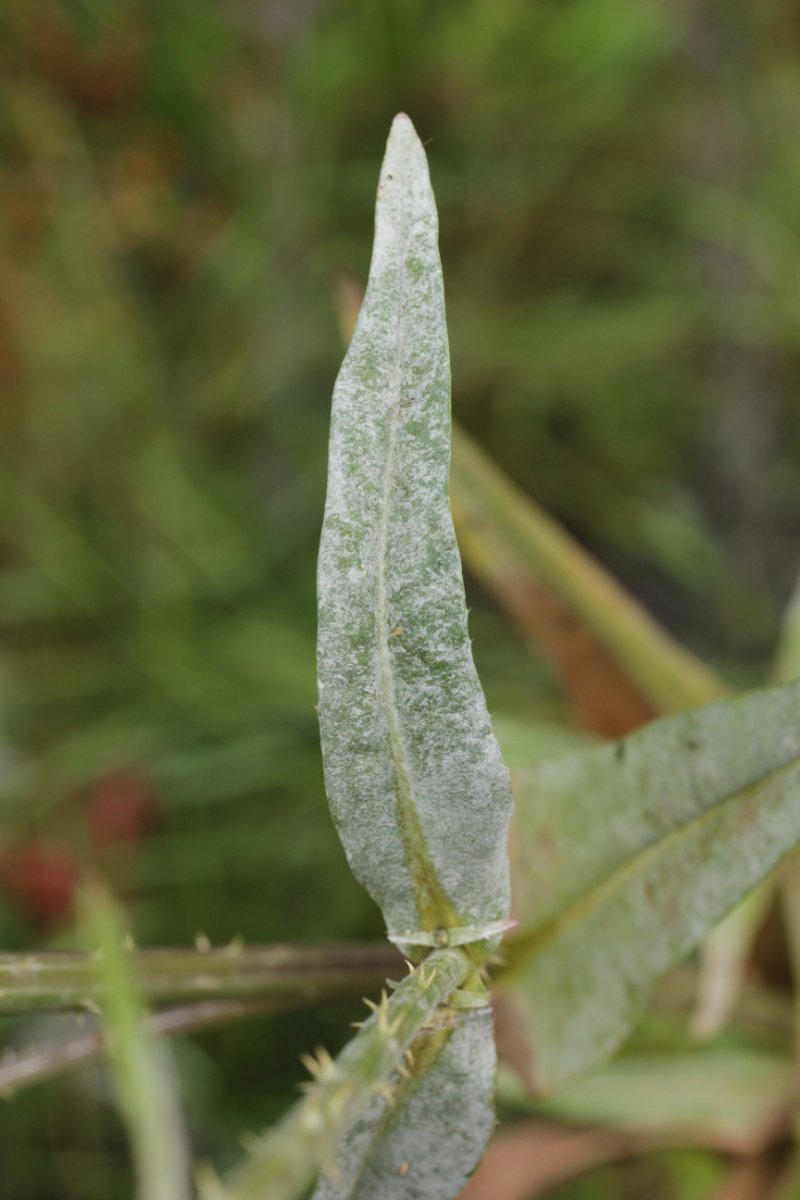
<point x="185" y="189"/>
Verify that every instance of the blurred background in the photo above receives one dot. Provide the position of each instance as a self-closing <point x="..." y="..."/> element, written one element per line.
<point x="186" y="199"/>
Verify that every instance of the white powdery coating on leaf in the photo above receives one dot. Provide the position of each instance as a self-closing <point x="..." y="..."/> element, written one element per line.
<point x="426" y="1143"/>
<point x="402" y="716"/>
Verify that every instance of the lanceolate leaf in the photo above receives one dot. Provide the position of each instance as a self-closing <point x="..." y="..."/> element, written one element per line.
<point x="729" y="1097"/>
<point x="632" y="852"/>
<point x="414" y="776"/>
<point x="423" y="1138"/>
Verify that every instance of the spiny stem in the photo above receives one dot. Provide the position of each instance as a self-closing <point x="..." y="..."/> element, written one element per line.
<point x="285" y="1161"/>
<point x="25" y="1067"/>
<point x="59" y="980"/>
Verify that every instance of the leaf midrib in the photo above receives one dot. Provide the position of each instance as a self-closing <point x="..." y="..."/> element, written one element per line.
<point x="524" y="946"/>
<point x="432" y="904"/>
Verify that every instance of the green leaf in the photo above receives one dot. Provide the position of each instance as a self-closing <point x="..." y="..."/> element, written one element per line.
<point x="787" y="656"/>
<point x="426" y="1136"/>
<point x="727" y="950"/>
<point x="414" y="775"/>
<point x="629" y="853"/>
<point x="727" y="1096"/>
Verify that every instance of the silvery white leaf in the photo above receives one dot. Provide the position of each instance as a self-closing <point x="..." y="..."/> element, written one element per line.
<point x="414" y="775"/>
<point x="426" y="1141"/>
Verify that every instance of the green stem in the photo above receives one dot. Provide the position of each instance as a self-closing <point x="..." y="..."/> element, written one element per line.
<point x="288" y="1158"/>
<point x="292" y="974"/>
<point x="505" y="537"/>
<point x="757" y="1011"/>
<point x="790" y="880"/>
<point x="141" y="1071"/>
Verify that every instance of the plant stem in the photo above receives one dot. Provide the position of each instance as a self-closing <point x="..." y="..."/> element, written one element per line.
<point x="508" y="541"/>
<point x="287" y="1158"/>
<point x="28" y="1066"/>
<point x="141" y="1068"/>
<point x="757" y="1011"/>
<point x="69" y="980"/>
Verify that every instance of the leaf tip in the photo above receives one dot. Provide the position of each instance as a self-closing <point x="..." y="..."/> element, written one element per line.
<point x="403" y="138"/>
<point x="403" y="122"/>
